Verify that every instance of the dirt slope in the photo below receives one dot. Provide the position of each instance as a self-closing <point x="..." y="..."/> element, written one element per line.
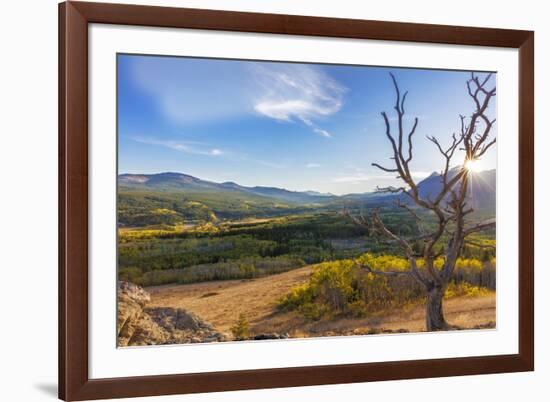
<point x="221" y="302"/>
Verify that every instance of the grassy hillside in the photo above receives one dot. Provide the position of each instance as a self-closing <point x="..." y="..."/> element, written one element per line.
<point x="142" y="207"/>
<point x="145" y="254"/>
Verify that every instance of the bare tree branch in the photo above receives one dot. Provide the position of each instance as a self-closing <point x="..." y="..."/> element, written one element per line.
<point x="480" y="245"/>
<point x="479" y="227"/>
<point x="385" y="169"/>
<point x="391" y="189"/>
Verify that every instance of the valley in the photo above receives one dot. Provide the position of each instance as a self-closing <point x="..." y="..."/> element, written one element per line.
<point x="254" y="261"/>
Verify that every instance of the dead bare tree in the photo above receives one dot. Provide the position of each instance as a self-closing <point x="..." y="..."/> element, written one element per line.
<point x="450" y="206"/>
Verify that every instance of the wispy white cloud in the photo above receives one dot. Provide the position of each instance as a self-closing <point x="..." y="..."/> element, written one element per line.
<point x="201" y="148"/>
<point x="297" y="93"/>
<point x="355" y="178"/>
<point x="360" y="177"/>
<point x="322" y="133"/>
<point x="183" y="90"/>
<point x="188" y="147"/>
<point x="313" y="165"/>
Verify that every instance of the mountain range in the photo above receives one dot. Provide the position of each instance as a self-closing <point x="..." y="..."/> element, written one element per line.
<point x="170" y="181"/>
<point x="482" y="190"/>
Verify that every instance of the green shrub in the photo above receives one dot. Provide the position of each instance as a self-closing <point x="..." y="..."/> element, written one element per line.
<point x="465" y="289"/>
<point x="345" y="287"/>
<point x="245" y="268"/>
<point x="241" y="328"/>
<point x="129" y="274"/>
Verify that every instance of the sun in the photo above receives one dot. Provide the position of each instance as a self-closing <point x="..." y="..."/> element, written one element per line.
<point x="472" y="165"/>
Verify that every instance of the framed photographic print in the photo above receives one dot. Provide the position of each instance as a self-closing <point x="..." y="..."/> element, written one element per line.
<point x="259" y="200"/>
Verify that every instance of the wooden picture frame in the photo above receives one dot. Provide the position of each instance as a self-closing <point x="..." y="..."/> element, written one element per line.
<point x="74" y="381"/>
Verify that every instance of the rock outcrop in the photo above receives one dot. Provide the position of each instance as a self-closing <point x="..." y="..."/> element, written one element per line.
<point x="138" y="325"/>
<point x="184" y="326"/>
<point x="274" y="335"/>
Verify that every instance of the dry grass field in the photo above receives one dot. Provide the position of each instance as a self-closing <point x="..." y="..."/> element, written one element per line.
<point x="221" y="303"/>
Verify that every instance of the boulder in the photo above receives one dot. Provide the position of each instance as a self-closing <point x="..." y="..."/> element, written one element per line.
<point x="260" y="337"/>
<point x="184" y="326"/>
<point x="138" y="325"/>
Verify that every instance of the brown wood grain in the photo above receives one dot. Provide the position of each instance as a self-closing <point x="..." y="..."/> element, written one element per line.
<point x="74" y="382"/>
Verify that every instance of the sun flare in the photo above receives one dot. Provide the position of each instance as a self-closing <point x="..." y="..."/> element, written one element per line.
<point x="472" y="165"/>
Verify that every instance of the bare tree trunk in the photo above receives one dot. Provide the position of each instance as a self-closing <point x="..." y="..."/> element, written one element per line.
<point x="435" y="320"/>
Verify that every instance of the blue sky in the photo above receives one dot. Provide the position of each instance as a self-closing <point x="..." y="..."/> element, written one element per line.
<point x="297" y="126"/>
